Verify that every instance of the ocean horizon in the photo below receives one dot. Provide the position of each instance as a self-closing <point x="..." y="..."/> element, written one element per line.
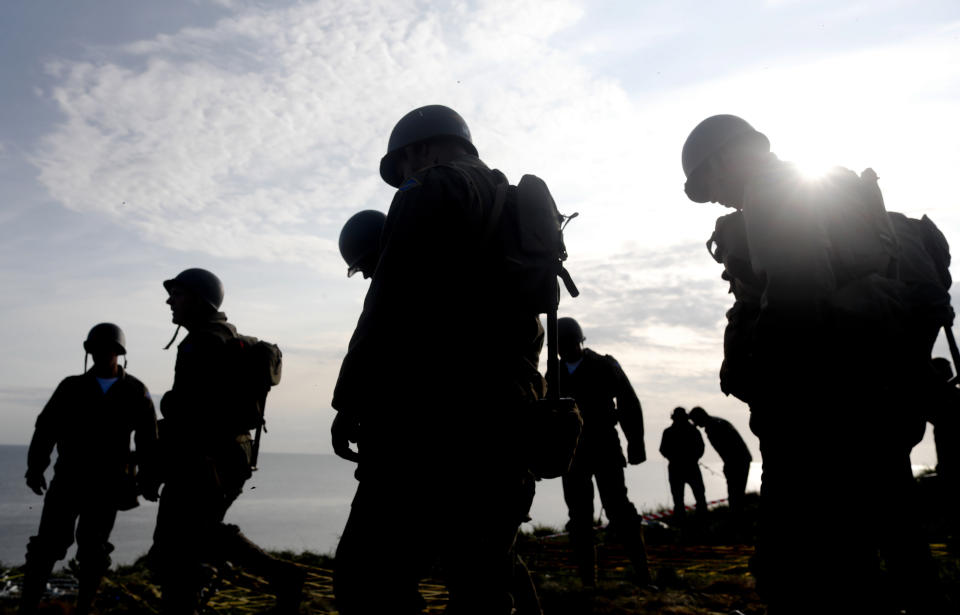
<point x="300" y="502"/>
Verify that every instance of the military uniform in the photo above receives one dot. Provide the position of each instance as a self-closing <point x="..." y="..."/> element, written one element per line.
<point x="682" y="445"/>
<point x="824" y="383"/>
<point x="438" y="372"/>
<point x="735" y="455"/>
<point x="605" y="397"/>
<point x="93" y="475"/>
<point x="207" y="447"/>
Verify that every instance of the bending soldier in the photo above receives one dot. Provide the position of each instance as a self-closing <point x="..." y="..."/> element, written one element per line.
<point x="360" y="242"/>
<point x="809" y="264"/>
<point x="89" y="419"/>
<point x="732" y="450"/>
<point x="605" y="398"/>
<point x="440" y="445"/>
<point x="682" y="445"/>
<point x="206" y="441"/>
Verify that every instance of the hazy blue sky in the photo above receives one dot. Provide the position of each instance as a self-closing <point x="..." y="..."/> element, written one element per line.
<point x="142" y="138"/>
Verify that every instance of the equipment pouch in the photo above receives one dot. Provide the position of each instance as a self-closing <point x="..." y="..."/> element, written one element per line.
<point x="553" y="429"/>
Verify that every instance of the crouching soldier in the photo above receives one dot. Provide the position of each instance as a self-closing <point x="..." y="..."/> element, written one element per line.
<point x="207" y="450"/>
<point x="89" y="419"/>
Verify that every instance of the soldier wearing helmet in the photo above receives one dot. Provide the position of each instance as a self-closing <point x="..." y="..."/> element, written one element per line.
<point x="360" y="242"/>
<point x="207" y="456"/>
<point x="89" y="419"/>
<point x="605" y="398"/>
<point x="799" y="256"/>
<point x="725" y="439"/>
<point x="437" y="373"/>
<point x="682" y="445"/>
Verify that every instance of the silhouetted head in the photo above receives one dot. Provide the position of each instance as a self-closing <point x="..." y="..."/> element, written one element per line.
<point x="429" y="135"/>
<point x="699" y="416"/>
<point x="943" y="368"/>
<point x="360" y="241"/>
<point x="718" y="158"/>
<point x="679" y="415"/>
<point x="194" y="295"/>
<point x="105" y="342"/>
<point x="570" y="342"/>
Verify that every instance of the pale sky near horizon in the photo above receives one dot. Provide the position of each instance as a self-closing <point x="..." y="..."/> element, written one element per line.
<point x="142" y="138"/>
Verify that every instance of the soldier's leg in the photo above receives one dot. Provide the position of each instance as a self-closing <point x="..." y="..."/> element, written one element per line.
<point x="478" y="553"/>
<point x="578" y="494"/>
<point x="695" y="479"/>
<point x="286" y="578"/>
<point x="736" y="475"/>
<point x="54" y="537"/>
<point x="179" y="540"/>
<point x="677" y="486"/>
<point x="382" y="553"/>
<point x="93" y="549"/>
<point x="624" y="519"/>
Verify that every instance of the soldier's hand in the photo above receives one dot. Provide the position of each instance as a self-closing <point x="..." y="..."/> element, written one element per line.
<point x="345" y="429"/>
<point x="37" y="483"/>
<point x="636" y="453"/>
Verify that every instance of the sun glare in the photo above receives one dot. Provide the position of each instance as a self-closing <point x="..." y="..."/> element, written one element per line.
<point x="812" y="170"/>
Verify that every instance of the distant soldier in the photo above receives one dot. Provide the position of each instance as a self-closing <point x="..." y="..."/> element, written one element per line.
<point x="819" y="343"/>
<point x="89" y="419"/>
<point x="438" y="374"/>
<point x="605" y="397"/>
<point x="360" y="242"/>
<point x="733" y="451"/>
<point x="207" y="445"/>
<point x="682" y="445"/>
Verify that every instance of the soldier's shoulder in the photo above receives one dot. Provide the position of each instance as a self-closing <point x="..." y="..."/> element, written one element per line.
<point x="135" y="383"/>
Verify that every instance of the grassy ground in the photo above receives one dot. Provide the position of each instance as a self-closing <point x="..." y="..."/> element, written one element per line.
<point x="700" y="570"/>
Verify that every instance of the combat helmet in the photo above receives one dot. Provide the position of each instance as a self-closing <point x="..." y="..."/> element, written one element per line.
<point x="103" y="334"/>
<point x="360" y="241"/>
<point x="708" y="138"/>
<point x="420" y="125"/>
<point x="199" y="282"/>
<point x="569" y="329"/>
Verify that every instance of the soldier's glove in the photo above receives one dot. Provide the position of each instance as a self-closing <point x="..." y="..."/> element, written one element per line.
<point x="345" y="429"/>
<point x="36" y="482"/>
<point x="636" y="453"/>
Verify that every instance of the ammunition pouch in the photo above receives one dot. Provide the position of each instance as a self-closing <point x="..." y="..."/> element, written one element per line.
<point x="553" y="431"/>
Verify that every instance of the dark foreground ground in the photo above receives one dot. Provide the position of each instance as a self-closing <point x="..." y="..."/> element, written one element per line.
<point x="699" y="570"/>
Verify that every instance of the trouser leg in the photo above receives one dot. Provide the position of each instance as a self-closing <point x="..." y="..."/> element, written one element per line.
<point x="525" y="598"/>
<point x="624" y="519"/>
<point x="677" y="486"/>
<point x="54" y="537"/>
<point x="578" y="494"/>
<point x="286" y="579"/>
<point x="695" y="479"/>
<point x="382" y="553"/>
<point x="736" y="475"/>
<point x="93" y="550"/>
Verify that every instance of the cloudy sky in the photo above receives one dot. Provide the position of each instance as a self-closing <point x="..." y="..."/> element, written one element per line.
<point x="142" y="138"/>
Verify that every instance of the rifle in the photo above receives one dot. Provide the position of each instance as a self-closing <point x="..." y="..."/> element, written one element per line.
<point x="954" y="352"/>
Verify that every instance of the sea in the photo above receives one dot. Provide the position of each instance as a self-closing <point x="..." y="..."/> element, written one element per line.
<point x="300" y="502"/>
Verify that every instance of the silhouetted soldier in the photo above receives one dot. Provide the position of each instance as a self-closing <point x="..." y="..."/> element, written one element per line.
<point x="89" y="419"/>
<point x="437" y="375"/>
<point x="360" y="242"/>
<point x="207" y="447"/>
<point x="819" y="352"/>
<point x="605" y="397"/>
<point x="682" y="445"/>
<point x="732" y="450"/>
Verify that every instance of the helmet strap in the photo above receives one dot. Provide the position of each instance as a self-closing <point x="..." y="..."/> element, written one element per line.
<point x="124" y="362"/>
<point x="86" y="355"/>
<point x="169" y="344"/>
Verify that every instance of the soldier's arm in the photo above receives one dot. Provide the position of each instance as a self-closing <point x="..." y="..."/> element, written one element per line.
<point x="146" y="441"/>
<point x="629" y="414"/>
<point x="699" y="447"/>
<point x="44" y="439"/>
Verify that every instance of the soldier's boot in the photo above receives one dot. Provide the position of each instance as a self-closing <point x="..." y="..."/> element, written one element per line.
<point x="87" y="593"/>
<point x="585" y="555"/>
<point x="35" y="575"/>
<point x="637" y="552"/>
